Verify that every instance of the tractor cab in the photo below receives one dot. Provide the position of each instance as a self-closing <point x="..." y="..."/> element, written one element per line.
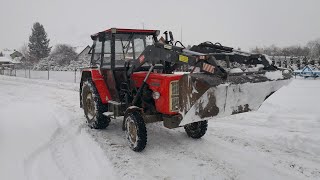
<point x="113" y="53"/>
<point x="115" y="48"/>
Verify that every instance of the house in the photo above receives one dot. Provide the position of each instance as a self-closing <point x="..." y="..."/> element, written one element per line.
<point x="10" y="58"/>
<point x="83" y="58"/>
<point x="15" y="54"/>
<point x="4" y="60"/>
<point x="83" y="51"/>
<point x="308" y="71"/>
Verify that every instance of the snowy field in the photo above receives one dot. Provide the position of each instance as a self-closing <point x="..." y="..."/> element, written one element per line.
<point x="43" y="135"/>
<point x="60" y="76"/>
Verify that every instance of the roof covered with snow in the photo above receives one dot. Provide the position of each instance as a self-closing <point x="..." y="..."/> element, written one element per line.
<point x="8" y="58"/>
<point x="5" y="59"/>
<point x="7" y="52"/>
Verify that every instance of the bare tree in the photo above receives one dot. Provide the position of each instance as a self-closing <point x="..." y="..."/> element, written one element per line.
<point x="24" y="50"/>
<point x="62" y="54"/>
<point x="314" y="47"/>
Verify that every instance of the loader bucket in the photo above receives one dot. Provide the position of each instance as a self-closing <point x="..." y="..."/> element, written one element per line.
<point x="203" y="96"/>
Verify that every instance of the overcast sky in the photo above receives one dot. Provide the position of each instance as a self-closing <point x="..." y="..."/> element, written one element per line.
<point x="238" y="23"/>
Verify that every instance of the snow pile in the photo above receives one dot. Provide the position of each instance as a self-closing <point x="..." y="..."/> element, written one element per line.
<point x="235" y="70"/>
<point x="274" y="75"/>
<point x="236" y="67"/>
<point x="256" y="68"/>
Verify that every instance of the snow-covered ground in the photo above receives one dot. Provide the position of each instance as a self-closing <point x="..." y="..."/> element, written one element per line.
<point x="60" y="76"/>
<point x="43" y="135"/>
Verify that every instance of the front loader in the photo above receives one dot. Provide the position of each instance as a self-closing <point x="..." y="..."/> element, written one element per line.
<point x="136" y="75"/>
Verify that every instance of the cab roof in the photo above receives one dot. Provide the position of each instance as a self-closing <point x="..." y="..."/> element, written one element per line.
<point x="126" y="31"/>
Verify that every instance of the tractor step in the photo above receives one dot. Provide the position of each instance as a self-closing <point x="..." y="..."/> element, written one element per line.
<point x="109" y="114"/>
<point x="115" y="108"/>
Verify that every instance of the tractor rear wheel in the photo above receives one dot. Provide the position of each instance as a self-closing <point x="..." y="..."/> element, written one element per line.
<point x="136" y="132"/>
<point x="93" y="107"/>
<point x="197" y="129"/>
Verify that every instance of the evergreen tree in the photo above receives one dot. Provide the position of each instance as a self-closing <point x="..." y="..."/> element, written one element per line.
<point x="38" y="43"/>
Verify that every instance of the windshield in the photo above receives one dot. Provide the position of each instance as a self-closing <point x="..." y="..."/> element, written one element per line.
<point x="127" y="47"/>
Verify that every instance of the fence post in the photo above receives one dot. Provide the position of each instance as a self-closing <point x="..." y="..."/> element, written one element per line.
<point x="29" y="73"/>
<point x="75" y="75"/>
<point x="48" y="70"/>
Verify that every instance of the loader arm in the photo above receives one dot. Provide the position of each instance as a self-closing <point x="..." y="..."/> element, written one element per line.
<point x="216" y="90"/>
<point x="172" y="57"/>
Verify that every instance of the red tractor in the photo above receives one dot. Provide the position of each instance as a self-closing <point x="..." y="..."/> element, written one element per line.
<point x="134" y="74"/>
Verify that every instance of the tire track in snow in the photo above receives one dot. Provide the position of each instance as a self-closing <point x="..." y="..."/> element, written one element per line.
<point x="69" y="149"/>
<point x="58" y="139"/>
<point x="166" y="149"/>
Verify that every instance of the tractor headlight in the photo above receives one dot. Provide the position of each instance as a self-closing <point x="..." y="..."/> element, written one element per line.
<point x="156" y="95"/>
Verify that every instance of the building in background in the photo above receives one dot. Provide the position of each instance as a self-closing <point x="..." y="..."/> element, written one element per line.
<point x="83" y="58"/>
<point x="10" y="59"/>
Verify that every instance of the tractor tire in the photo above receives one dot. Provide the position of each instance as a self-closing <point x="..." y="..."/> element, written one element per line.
<point x="197" y="129"/>
<point x="93" y="107"/>
<point x="136" y="132"/>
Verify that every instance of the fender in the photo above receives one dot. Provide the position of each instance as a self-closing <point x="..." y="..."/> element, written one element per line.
<point x="100" y="84"/>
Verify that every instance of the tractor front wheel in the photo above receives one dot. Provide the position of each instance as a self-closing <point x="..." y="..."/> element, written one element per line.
<point x="136" y="132"/>
<point x="197" y="129"/>
<point x="93" y="107"/>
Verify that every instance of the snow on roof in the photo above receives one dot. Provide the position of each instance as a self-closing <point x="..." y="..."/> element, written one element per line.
<point x="7" y="52"/>
<point x="5" y="59"/>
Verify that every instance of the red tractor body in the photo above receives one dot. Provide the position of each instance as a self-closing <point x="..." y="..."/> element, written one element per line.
<point x="160" y="83"/>
<point x="157" y="83"/>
